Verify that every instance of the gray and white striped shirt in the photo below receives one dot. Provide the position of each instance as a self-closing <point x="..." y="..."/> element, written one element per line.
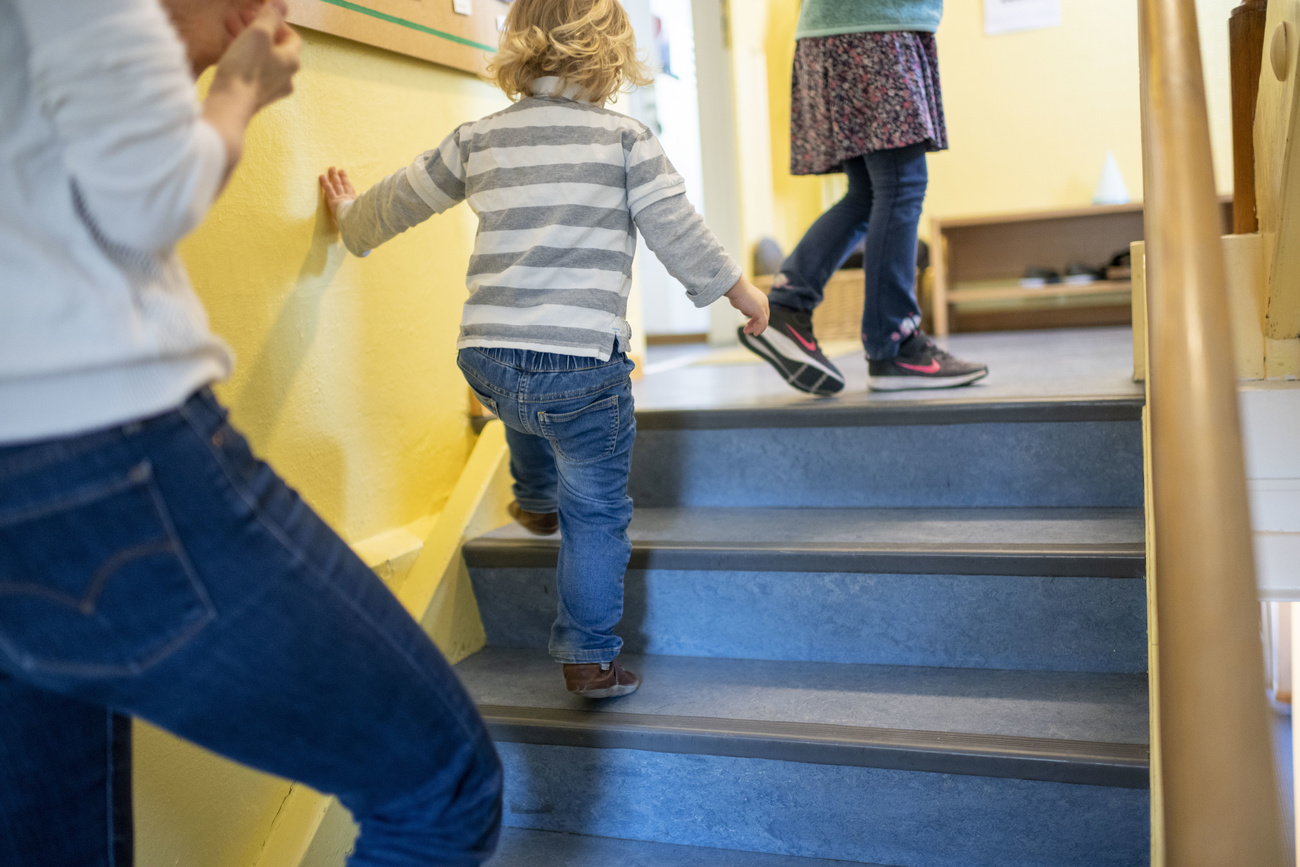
<point x="560" y="187"/>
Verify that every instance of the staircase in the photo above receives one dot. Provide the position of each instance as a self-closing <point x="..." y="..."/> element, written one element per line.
<point x="908" y="633"/>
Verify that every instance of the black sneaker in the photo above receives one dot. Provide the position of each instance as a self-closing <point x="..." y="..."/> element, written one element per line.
<point x="789" y="346"/>
<point x="922" y="364"/>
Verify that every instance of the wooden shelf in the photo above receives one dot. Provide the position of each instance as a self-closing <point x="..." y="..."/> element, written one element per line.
<point x="980" y="259"/>
<point x="1052" y="290"/>
<point x="1043" y="216"/>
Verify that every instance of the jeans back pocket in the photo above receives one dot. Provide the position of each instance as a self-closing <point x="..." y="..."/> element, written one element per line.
<point x="586" y="435"/>
<point x="95" y="582"/>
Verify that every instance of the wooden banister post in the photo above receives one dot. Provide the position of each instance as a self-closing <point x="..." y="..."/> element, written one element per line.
<point x="1246" y="49"/>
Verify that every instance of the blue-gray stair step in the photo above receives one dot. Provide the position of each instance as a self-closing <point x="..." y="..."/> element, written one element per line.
<point x="524" y="848"/>
<point x="1021" y="589"/>
<point x="837" y="812"/>
<point x="1086" y="764"/>
<point x="1038" y="542"/>
<point x="1088" y="729"/>
<point x="1044" y="453"/>
<point x="891" y="412"/>
<point x="857" y="763"/>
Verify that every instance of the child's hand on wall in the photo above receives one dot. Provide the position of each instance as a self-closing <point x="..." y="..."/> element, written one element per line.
<point x="746" y="298"/>
<point x="338" y="190"/>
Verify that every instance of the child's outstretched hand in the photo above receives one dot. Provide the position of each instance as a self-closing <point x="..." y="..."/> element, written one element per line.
<point x="338" y="190"/>
<point x="746" y="298"/>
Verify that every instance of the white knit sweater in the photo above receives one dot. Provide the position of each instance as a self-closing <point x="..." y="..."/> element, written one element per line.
<point x="105" y="164"/>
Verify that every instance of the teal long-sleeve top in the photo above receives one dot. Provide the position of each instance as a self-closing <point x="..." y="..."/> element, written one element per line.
<point x="833" y="17"/>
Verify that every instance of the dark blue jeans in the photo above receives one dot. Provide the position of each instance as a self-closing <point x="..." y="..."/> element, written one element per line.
<point x="570" y="426"/>
<point x="886" y="193"/>
<point x="160" y="571"/>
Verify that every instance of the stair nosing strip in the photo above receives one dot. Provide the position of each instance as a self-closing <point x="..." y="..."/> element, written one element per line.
<point x="1080" y="560"/>
<point x="897" y="413"/>
<point x="1002" y="756"/>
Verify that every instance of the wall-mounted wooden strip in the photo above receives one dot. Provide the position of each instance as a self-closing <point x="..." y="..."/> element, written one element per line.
<point x="428" y="29"/>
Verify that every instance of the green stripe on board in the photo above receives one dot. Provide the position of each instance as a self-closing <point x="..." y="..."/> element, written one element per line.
<point x="410" y="25"/>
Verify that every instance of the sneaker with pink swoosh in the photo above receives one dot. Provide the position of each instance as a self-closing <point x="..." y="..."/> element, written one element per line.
<point x="920" y="363"/>
<point x="788" y="345"/>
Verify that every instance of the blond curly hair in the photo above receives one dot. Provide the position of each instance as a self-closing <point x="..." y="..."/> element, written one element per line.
<point x="587" y="43"/>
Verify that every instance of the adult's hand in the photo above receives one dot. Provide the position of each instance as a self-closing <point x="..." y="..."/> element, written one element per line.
<point x="207" y="27"/>
<point x="255" y="71"/>
<point x="260" y="64"/>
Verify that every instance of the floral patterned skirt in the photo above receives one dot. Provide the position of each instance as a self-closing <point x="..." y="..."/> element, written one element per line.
<point x="862" y="92"/>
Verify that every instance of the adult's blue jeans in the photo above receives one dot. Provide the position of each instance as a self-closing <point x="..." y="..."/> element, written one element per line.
<point x="570" y="426"/>
<point x="884" y="201"/>
<point x="160" y="571"/>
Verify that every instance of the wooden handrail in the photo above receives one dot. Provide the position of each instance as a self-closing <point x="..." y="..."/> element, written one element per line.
<point x="1218" y="800"/>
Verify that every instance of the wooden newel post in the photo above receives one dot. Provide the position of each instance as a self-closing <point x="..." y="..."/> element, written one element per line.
<point x="1246" y="49"/>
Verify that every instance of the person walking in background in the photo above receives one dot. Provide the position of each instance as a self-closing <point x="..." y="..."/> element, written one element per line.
<point x="150" y="565"/>
<point x="560" y="185"/>
<point x="865" y="101"/>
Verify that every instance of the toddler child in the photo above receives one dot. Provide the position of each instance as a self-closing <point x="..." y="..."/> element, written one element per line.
<point x="560" y="185"/>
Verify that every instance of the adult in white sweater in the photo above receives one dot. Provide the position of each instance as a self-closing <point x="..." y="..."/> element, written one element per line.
<point x="150" y="565"/>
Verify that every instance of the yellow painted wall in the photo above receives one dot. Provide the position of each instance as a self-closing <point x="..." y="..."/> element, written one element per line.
<point x="799" y="200"/>
<point x="346" y="377"/>
<point x="1030" y="115"/>
<point x="752" y="103"/>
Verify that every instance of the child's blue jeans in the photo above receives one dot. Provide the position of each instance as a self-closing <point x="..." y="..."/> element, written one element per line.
<point x="160" y="570"/>
<point x="570" y="427"/>
<point x="886" y="193"/>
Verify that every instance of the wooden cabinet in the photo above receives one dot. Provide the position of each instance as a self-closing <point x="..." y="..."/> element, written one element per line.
<point x="979" y="262"/>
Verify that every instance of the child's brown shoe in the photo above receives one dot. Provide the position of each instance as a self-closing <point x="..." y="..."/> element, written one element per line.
<point x="537" y="523"/>
<point x="600" y="680"/>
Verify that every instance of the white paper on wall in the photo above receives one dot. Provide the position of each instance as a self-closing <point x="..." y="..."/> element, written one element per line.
<point x="1010" y="16"/>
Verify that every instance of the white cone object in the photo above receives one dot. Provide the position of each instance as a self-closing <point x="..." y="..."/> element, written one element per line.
<point x="1111" y="189"/>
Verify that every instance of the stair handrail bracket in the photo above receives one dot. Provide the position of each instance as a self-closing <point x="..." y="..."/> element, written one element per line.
<point x="1217" y="787"/>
